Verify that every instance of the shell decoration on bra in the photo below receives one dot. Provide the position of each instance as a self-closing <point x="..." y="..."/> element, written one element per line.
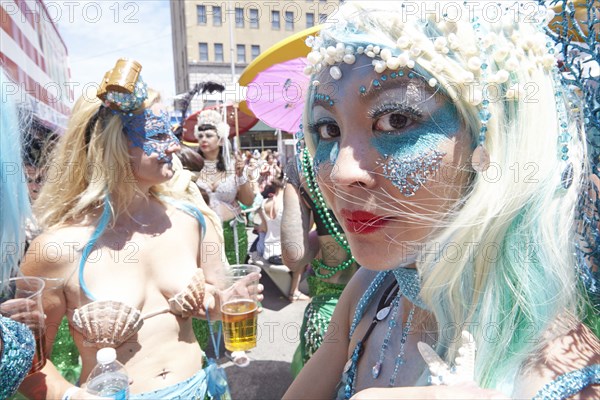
<point x="107" y="323"/>
<point x="190" y="300"/>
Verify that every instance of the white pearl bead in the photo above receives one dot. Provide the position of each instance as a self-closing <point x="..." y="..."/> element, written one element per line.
<point x="474" y="63"/>
<point x="349" y="59"/>
<point x="380" y="67"/>
<point x="385" y="54"/>
<point x="393" y="63"/>
<point x="403" y="59"/>
<point x="314" y="57"/>
<point x="500" y="54"/>
<point x="335" y="72"/>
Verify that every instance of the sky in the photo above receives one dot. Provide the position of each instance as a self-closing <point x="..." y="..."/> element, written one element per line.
<point x="99" y="32"/>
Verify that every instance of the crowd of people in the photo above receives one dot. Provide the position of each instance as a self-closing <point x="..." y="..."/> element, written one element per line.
<point x="433" y="270"/>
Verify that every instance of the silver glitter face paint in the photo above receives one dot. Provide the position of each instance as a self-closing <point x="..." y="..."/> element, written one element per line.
<point x="410" y="174"/>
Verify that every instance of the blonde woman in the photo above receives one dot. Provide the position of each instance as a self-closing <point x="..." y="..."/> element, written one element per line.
<point x="416" y="118"/>
<point x="137" y="255"/>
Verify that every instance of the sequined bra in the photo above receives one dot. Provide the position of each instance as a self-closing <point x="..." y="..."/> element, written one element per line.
<point x="110" y="323"/>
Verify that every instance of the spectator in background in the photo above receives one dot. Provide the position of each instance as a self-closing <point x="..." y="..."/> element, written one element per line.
<point x="225" y="180"/>
<point x="324" y="249"/>
<point x="269" y="171"/>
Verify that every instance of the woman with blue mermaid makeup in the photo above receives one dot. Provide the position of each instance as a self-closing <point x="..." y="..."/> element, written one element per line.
<point x="138" y="249"/>
<point x="452" y="154"/>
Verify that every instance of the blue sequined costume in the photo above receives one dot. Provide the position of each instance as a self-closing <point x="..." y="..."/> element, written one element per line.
<point x="18" y="347"/>
<point x="562" y="387"/>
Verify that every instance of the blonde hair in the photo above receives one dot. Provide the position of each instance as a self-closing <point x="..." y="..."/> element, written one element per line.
<point x="91" y="163"/>
<point x="528" y="220"/>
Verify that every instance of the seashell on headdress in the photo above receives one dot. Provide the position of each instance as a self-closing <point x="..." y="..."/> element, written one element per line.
<point x="107" y="323"/>
<point x="212" y="120"/>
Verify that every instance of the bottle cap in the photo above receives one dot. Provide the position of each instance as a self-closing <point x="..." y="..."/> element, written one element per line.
<point x="106" y="355"/>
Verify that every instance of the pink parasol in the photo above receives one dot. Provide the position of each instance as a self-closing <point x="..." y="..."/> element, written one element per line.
<point x="276" y="95"/>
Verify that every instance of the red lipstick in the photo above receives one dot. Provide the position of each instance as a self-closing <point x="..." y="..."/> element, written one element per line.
<point x="362" y="222"/>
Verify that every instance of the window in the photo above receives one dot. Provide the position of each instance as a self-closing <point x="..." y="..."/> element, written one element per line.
<point x="241" y="53"/>
<point x="275" y="23"/>
<point x="310" y="20"/>
<point x="289" y="20"/>
<point x="255" y="51"/>
<point x="322" y="18"/>
<point x="219" y="52"/>
<point x="254" y="18"/>
<point x="239" y="17"/>
<point x="203" y="47"/>
<point x="201" y="12"/>
<point x="216" y="16"/>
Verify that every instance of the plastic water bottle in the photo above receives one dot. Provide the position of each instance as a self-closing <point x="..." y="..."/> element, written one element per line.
<point x="108" y="378"/>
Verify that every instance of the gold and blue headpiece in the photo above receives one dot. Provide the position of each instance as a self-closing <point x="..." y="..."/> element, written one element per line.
<point x="123" y="91"/>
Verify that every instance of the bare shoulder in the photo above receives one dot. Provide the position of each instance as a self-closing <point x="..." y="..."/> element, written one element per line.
<point x="268" y="205"/>
<point x="54" y="251"/>
<point x="359" y="283"/>
<point x="355" y="289"/>
<point x="576" y="349"/>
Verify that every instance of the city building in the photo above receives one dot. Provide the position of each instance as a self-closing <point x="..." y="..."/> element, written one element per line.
<point x="216" y="40"/>
<point x="35" y="57"/>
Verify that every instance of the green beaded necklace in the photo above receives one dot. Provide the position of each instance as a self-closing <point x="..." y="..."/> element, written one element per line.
<point x="325" y="215"/>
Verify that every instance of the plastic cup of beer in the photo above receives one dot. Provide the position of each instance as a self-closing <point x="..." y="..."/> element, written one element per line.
<point x="21" y="300"/>
<point x="240" y="308"/>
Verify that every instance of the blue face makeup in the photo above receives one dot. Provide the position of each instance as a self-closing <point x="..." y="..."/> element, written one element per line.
<point x="407" y="139"/>
<point x="411" y="156"/>
<point x="149" y="132"/>
<point x="327" y="152"/>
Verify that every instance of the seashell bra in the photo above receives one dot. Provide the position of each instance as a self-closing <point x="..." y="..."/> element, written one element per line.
<point x="108" y="323"/>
